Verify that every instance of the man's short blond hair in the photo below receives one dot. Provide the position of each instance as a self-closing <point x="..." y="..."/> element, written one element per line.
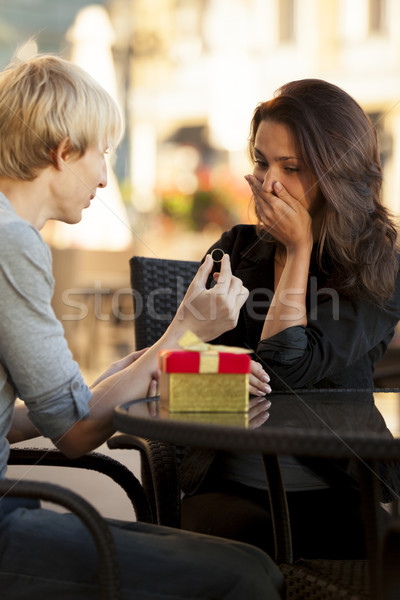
<point x="45" y="100"/>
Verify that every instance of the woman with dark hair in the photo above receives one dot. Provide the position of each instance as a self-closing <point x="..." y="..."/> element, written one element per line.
<point x="321" y="266"/>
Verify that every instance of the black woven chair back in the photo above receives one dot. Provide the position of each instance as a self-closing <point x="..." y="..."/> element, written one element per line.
<point x="158" y="286"/>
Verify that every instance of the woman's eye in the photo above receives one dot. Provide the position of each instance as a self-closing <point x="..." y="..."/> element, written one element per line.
<point x="260" y="163"/>
<point x="292" y="169"/>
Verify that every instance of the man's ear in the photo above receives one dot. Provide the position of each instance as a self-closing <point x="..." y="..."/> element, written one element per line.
<point x="60" y="154"/>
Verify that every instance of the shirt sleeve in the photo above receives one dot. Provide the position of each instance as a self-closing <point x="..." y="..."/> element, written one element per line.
<point x="339" y="333"/>
<point x="285" y="347"/>
<point x="33" y="348"/>
<point x="342" y="341"/>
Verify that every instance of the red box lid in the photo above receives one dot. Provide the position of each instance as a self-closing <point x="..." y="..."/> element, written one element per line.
<point x="186" y="361"/>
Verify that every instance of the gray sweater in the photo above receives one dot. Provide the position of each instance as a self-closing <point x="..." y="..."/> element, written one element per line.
<point x="36" y="364"/>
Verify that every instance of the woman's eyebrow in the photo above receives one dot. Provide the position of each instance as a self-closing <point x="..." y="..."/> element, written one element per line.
<point x="276" y="158"/>
<point x="281" y="158"/>
<point x="257" y="151"/>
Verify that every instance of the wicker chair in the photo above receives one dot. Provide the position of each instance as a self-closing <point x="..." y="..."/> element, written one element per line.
<point x="94" y="461"/>
<point x="109" y="588"/>
<point x="305" y="579"/>
<point x="158" y="287"/>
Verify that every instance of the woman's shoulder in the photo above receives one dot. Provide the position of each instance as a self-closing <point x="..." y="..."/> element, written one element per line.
<point x="239" y="235"/>
<point x="244" y="245"/>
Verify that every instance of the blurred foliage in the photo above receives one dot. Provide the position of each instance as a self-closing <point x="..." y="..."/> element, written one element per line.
<point x="195" y="211"/>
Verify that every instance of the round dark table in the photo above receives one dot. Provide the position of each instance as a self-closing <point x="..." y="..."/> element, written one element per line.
<point x="308" y="424"/>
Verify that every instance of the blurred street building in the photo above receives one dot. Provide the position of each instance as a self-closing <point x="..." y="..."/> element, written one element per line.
<point x="189" y="74"/>
<point x="197" y="69"/>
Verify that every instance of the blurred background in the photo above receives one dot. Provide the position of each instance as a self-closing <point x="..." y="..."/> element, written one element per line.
<point x="187" y="75"/>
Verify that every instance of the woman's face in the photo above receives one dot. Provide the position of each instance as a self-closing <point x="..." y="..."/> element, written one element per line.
<point x="277" y="157"/>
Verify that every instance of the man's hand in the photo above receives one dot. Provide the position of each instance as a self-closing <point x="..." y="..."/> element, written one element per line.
<point x="211" y="312"/>
<point x="119" y="365"/>
<point x="152" y="392"/>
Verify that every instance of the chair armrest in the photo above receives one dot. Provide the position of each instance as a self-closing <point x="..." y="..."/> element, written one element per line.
<point x="94" y="461"/>
<point x="108" y="559"/>
<point x="159" y="475"/>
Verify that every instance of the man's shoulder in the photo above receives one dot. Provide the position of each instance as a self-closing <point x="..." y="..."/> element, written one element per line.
<point x="19" y="238"/>
<point x="14" y="229"/>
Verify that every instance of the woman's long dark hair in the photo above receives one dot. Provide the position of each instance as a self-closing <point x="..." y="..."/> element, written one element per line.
<point x="339" y="143"/>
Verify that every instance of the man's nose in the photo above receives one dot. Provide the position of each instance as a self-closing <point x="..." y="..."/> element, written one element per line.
<point x="103" y="180"/>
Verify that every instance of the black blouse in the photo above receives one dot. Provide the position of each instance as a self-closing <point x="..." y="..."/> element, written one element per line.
<point x="342" y="341"/>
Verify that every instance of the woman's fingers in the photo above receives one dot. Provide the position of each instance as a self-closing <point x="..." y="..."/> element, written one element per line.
<point x="258" y="413"/>
<point x="258" y="380"/>
<point x="255" y="390"/>
<point x="271" y="201"/>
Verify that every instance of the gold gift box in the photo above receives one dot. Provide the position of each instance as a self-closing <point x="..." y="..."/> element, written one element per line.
<point x="205" y="392"/>
<point x="201" y="377"/>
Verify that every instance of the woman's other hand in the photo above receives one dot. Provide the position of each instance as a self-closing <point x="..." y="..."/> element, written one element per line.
<point x="258" y="411"/>
<point x="258" y="380"/>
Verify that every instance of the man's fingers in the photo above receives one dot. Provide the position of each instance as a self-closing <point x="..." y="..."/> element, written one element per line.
<point x="151" y="393"/>
<point x="236" y="289"/>
<point x="225" y="275"/>
<point x="153" y="389"/>
<point x="204" y="271"/>
<point x="242" y="296"/>
<point x="229" y="284"/>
